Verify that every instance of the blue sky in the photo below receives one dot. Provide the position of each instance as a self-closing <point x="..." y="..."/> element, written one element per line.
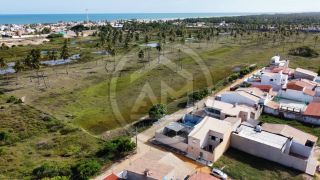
<point x="149" y="6"/>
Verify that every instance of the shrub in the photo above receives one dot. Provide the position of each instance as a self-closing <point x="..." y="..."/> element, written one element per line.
<point x="12" y="99"/>
<point x="198" y="95"/>
<point x="52" y="36"/>
<point x="244" y="71"/>
<point x="117" y="148"/>
<point x="49" y="171"/>
<point x="303" y="51"/>
<point x="158" y="111"/>
<point x="4" y="136"/>
<point x="84" y="170"/>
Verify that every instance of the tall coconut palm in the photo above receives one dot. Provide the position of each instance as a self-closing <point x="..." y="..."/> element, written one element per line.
<point x="28" y="63"/>
<point x="159" y="48"/>
<point x="65" y="53"/>
<point x="3" y="65"/>
<point x="316" y="38"/>
<point x="18" y="67"/>
<point x="35" y="61"/>
<point x="113" y="53"/>
<point x="141" y="57"/>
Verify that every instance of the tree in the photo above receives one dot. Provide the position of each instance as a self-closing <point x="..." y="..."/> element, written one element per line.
<point x="28" y="63"/>
<point x="159" y="48"/>
<point x="18" y="67"/>
<point x="65" y="53"/>
<point x="113" y="53"/>
<point x="158" y="111"/>
<point x="85" y="169"/>
<point x="316" y="38"/>
<point x="35" y="61"/>
<point x="141" y="56"/>
<point x="3" y="65"/>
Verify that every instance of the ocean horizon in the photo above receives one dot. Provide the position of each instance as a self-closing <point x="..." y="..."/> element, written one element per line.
<point x="55" y="18"/>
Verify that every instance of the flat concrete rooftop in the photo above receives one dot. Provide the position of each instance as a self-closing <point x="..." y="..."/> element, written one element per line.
<point x="263" y="137"/>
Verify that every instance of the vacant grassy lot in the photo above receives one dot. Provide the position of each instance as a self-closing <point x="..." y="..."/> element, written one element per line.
<point x="239" y="165"/>
<point x="33" y="137"/>
<point x="86" y="99"/>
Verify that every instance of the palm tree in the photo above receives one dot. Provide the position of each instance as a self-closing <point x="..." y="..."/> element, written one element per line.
<point x="316" y="38"/>
<point x="65" y="53"/>
<point x="28" y="63"/>
<point x="35" y="61"/>
<point x="159" y="48"/>
<point x="141" y="57"/>
<point x="18" y="67"/>
<point x="3" y="65"/>
<point x="113" y="53"/>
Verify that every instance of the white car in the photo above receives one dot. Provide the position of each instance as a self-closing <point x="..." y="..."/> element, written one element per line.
<point x="219" y="174"/>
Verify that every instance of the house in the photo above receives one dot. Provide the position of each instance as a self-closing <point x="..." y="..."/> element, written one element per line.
<point x="210" y="138"/>
<point x="300" y="73"/>
<point x="160" y="165"/>
<point x="278" y="143"/>
<point x="201" y="176"/>
<point x="253" y="97"/>
<point x="276" y="80"/>
<point x="111" y="177"/>
<point x="223" y="110"/>
<point x="312" y="113"/>
<point x="277" y="62"/>
<point x="300" y="90"/>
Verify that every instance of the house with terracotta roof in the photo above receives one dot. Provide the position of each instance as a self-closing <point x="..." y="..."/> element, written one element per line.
<point x="300" y="90"/>
<point x="300" y="73"/>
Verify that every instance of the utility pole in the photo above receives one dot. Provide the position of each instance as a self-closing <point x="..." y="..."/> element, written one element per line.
<point x="87" y="16"/>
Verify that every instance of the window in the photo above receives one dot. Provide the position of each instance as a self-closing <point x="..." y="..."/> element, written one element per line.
<point x="271" y="80"/>
<point x="213" y="138"/>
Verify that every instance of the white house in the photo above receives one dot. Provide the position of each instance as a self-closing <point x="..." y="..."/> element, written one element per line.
<point x="249" y="96"/>
<point x="276" y="80"/>
<point x="277" y="62"/>
<point x="300" y="90"/>
<point x="278" y="143"/>
<point x="223" y="110"/>
<point x="305" y="74"/>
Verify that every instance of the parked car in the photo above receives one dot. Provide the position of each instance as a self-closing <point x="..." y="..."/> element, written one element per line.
<point x="219" y="174"/>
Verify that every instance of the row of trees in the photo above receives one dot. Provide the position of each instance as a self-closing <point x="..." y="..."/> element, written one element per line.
<point x="32" y="62"/>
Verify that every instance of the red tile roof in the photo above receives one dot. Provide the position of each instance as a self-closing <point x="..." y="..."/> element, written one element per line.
<point x="309" y="92"/>
<point x="313" y="109"/>
<point x="265" y="88"/>
<point x="111" y="177"/>
<point x="202" y="176"/>
<point x="295" y="86"/>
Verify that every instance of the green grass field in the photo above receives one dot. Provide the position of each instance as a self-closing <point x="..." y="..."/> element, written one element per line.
<point x="33" y="138"/>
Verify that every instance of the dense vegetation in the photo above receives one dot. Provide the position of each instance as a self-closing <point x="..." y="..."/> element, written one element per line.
<point x="303" y="51"/>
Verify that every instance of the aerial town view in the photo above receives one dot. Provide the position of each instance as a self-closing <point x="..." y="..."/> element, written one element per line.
<point x="159" y="90"/>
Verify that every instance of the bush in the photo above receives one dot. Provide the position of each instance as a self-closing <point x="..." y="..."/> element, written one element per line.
<point x="303" y="51"/>
<point x="117" y="148"/>
<point x="198" y="95"/>
<point x="84" y="170"/>
<point x="4" y="136"/>
<point x="158" y="111"/>
<point x="52" y="36"/>
<point x="244" y="71"/>
<point x="12" y="99"/>
<point x="49" y="171"/>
